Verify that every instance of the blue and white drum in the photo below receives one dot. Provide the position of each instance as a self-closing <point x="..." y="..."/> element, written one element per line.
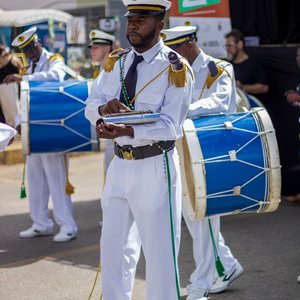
<point x="52" y="117"/>
<point x="246" y="101"/>
<point x="230" y="164"/>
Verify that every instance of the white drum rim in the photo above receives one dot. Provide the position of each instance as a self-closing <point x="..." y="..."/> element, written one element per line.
<point x="242" y="104"/>
<point x="269" y="141"/>
<point x="94" y="139"/>
<point x="194" y="157"/>
<point x="24" y="111"/>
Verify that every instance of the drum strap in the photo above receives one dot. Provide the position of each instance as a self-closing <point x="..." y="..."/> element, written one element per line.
<point x="172" y="226"/>
<point x="218" y="262"/>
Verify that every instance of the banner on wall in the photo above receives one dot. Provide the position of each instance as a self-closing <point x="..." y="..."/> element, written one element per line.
<point x="211" y="17"/>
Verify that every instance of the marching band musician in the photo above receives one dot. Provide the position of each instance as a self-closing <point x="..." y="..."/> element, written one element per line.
<point x="101" y="45"/>
<point x="250" y="75"/>
<point x="46" y="172"/>
<point x="214" y="92"/>
<point x="138" y="191"/>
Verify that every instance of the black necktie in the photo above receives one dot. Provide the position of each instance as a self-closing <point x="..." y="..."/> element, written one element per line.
<point x="130" y="81"/>
<point x="33" y="67"/>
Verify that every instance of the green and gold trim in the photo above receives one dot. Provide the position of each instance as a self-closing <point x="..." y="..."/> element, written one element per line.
<point x="177" y="41"/>
<point x="102" y="41"/>
<point x="146" y="7"/>
<point x="27" y="42"/>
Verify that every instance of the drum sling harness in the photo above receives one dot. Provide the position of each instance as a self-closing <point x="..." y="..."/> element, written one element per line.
<point x="218" y="262"/>
<point x="23" y="189"/>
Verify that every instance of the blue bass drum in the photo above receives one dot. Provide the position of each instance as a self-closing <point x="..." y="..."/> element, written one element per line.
<point x="230" y="164"/>
<point x="52" y="117"/>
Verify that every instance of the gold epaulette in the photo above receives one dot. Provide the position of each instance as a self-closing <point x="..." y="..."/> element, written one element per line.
<point x="210" y="80"/>
<point x="96" y="72"/>
<point x="178" y="77"/>
<point x="113" y="57"/>
<point x="55" y="57"/>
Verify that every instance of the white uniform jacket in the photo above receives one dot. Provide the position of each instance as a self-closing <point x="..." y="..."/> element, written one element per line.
<point x="159" y="96"/>
<point x="48" y="68"/>
<point x="221" y="97"/>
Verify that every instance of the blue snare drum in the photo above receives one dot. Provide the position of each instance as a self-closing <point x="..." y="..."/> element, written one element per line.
<point x="52" y="117"/>
<point x="230" y="164"/>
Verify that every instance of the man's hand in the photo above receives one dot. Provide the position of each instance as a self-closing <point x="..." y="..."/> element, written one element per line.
<point x="112" y="131"/>
<point x="13" y="77"/>
<point x="113" y="106"/>
<point x="292" y="96"/>
<point x="239" y="84"/>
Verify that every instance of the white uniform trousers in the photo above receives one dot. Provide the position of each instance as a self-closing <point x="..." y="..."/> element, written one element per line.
<point x="204" y="274"/>
<point x="9" y="102"/>
<point x="109" y="153"/>
<point x="47" y="176"/>
<point x="228" y="260"/>
<point x="136" y="194"/>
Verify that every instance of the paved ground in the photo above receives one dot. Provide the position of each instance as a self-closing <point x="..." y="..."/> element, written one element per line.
<point x="267" y="245"/>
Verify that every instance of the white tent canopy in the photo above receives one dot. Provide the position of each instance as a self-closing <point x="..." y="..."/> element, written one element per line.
<point x="18" y="18"/>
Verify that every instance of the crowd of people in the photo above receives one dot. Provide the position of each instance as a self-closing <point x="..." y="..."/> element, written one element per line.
<point x="142" y="197"/>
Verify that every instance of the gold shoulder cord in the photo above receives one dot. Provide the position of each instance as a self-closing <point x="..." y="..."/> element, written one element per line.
<point x="20" y="55"/>
<point x="148" y="83"/>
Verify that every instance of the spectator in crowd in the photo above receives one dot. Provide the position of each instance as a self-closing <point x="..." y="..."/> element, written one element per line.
<point x="47" y="173"/>
<point x="9" y="92"/>
<point x="293" y="97"/>
<point x="249" y="74"/>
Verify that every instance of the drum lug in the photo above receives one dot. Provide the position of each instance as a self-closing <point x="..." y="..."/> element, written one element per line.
<point x="232" y="155"/>
<point x="237" y="190"/>
<point x="228" y="125"/>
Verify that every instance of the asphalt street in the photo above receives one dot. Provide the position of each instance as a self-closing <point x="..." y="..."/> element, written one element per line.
<point x="267" y="246"/>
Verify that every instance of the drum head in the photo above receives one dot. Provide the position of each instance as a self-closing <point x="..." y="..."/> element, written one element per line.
<point x="193" y="173"/>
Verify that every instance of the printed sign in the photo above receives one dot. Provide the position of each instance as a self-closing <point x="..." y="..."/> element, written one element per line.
<point x="187" y="5"/>
<point x="211" y="17"/>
